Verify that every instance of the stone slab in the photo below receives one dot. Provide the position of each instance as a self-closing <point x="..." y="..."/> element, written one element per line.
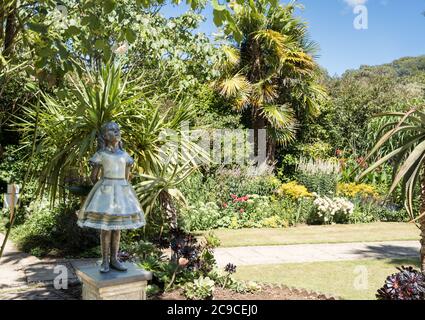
<point x="92" y="275"/>
<point x="113" y="285"/>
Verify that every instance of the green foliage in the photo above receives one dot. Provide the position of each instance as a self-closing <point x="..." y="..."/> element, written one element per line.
<point x="48" y="231"/>
<point x="317" y="150"/>
<point x="99" y="97"/>
<point x="217" y="184"/>
<point x="190" y="260"/>
<point x="371" y="211"/>
<point x="200" y="289"/>
<point x="255" y="212"/>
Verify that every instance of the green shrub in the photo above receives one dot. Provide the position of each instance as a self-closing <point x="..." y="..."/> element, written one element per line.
<point x="201" y="216"/>
<point x="200" y="289"/>
<point x="370" y="211"/>
<point x="317" y="150"/>
<point x="250" y="211"/>
<point x="54" y="231"/>
<point x="217" y="185"/>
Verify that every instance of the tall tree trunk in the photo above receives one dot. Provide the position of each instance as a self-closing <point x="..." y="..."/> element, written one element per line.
<point x="1" y="23"/>
<point x="422" y="251"/>
<point x="271" y="150"/>
<point x="10" y="31"/>
<point x="260" y="123"/>
<point x="170" y="210"/>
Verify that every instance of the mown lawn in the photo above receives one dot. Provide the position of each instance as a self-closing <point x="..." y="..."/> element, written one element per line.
<point x="351" y="280"/>
<point x="379" y="231"/>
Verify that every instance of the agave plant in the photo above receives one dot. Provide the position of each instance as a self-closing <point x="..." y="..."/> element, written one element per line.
<point x="407" y="157"/>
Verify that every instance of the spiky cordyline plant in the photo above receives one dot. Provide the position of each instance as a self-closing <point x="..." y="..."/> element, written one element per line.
<point x="65" y="129"/>
<point x="407" y="158"/>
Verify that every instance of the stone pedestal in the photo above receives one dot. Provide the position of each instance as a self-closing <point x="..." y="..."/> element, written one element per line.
<point x="114" y="285"/>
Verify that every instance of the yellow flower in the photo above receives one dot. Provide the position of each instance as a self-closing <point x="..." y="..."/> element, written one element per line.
<point x="353" y="190"/>
<point x="274" y="222"/>
<point x="293" y="190"/>
<point x="234" y="224"/>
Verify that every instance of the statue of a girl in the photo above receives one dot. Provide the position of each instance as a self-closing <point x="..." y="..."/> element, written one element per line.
<point x="112" y="204"/>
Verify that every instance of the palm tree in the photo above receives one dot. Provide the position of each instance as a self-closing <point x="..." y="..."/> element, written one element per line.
<point x="271" y="71"/>
<point x="407" y="134"/>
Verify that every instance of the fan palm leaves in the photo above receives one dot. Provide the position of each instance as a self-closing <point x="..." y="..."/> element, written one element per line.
<point x="273" y="65"/>
<point x="407" y="157"/>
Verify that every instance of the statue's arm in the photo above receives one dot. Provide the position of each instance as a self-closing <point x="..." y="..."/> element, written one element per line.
<point x="94" y="177"/>
<point x="127" y="172"/>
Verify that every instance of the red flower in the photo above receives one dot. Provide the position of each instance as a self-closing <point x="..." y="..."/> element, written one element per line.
<point x="338" y="152"/>
<point x="361" y="161"/>
<point x="224" y="205"/>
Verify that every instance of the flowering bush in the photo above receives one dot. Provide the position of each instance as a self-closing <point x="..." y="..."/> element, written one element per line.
<point x="274" y="222"/>
<point x="320" y="176"/>
<point x="332" y="210"/>
<point x="293" y="190"/>
<point x="354" y="190"/>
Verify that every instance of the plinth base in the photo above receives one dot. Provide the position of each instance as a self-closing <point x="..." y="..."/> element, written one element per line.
<point x="114" y="285"/>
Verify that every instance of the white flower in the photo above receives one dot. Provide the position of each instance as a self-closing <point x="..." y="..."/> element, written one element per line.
<point x="122" y="49"/>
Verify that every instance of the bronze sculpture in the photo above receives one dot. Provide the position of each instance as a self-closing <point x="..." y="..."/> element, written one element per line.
<point x="112" y="204"/>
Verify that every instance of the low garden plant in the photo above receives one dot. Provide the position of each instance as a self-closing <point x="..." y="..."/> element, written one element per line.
<point x="407" y="284"/>
<point x="191" y="267"/>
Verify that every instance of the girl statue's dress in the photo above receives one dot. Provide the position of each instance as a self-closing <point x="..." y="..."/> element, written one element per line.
<point x="112" y="203"/>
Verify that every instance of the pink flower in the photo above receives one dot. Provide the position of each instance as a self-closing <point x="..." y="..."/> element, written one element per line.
<point x="183" y="262"/>
<point x="241" y="210"/>
<point x="234" y="196"/>
<point x="224" y="205"/>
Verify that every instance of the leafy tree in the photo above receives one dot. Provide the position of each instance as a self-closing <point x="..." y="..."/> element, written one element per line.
<point x="358" y="95"/>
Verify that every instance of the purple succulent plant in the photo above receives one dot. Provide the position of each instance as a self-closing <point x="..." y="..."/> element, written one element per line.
<point x="408" y="284"/>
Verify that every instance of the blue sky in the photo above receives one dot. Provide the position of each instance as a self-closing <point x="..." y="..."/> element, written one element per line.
<point x="396" y="28"/>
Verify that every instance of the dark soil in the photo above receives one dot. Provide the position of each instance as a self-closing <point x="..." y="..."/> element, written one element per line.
<point x="267" y="292"/>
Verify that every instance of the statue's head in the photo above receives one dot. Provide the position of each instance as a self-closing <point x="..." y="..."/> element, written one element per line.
<point x="109" y="134"/>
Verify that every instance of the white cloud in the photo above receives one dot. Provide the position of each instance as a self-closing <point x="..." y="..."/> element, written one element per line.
<point x="353" y="3"/>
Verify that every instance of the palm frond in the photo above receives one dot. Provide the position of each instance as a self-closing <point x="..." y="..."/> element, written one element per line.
<point x="234" y="86"/>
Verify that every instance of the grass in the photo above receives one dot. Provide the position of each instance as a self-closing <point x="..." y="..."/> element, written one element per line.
<point x="379" y="231"/>
<point x="351" y="280"/>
